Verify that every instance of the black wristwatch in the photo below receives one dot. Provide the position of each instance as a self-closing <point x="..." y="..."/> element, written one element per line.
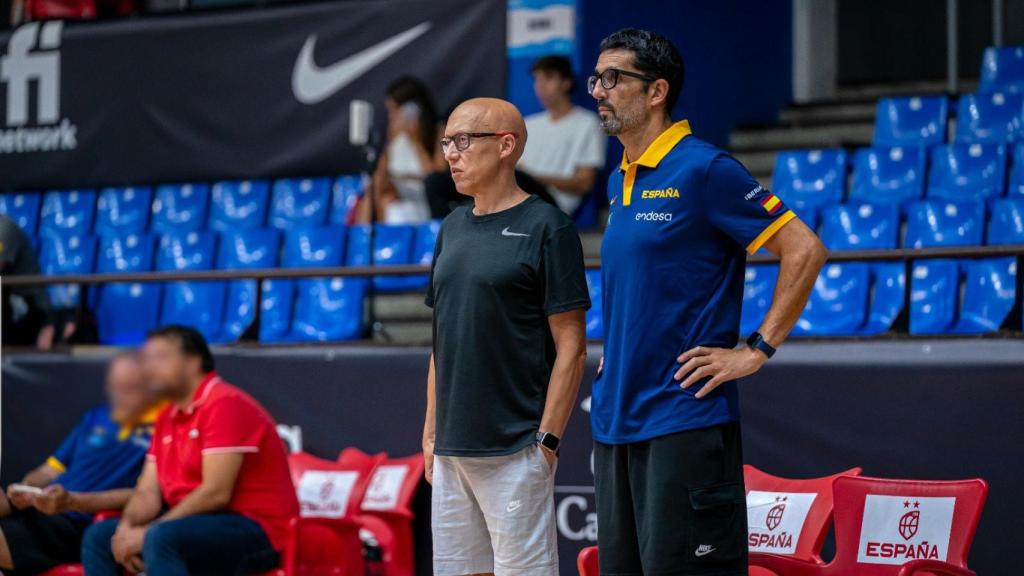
<point x="756" y="341"/>
<point x="549" y="441"/>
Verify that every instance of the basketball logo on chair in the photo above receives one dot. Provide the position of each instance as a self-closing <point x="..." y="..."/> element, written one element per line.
<point x="774" y="517"/>
<point x="909" y="523"/>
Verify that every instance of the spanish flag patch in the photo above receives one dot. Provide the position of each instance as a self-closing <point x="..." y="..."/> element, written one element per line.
<point x="771" y="203"/>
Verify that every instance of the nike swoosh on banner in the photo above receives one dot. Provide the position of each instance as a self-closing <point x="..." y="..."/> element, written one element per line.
<point x="312" y="84"/>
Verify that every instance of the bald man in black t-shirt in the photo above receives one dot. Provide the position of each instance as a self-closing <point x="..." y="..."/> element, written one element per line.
<point x="27" y="318"/>
<point x="509" y="298"/>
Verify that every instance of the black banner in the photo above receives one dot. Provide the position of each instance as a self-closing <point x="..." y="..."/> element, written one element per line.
<point x="933" y="411"/>
<point x="252" y="93"/>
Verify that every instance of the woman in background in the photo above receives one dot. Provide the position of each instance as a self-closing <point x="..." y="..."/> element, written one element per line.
<point x="411" y="153"/>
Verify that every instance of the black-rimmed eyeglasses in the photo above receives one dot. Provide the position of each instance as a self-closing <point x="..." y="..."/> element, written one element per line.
<point x="462" y="140"/>
<point x="610" y="77"/>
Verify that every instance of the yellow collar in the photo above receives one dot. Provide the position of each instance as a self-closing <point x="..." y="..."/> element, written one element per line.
<point x="661" y="146"/>
<point x="147" y="417"/>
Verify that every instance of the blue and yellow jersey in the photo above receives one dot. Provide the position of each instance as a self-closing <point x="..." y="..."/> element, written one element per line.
<point x="683" y="216"/>
<point x="102" y="454"/>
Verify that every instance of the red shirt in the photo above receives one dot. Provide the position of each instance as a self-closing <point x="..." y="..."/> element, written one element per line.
<point x="224" y="419"/>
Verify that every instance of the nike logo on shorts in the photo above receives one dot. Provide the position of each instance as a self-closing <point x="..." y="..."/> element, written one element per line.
<point x="513" y="506"/>
<point x="506" y="232"/>
<point x="704" y="550"/>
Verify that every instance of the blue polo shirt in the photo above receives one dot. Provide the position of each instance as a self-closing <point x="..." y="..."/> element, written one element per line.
<point x="102" y="454"/>
<point x="682" y="219"/>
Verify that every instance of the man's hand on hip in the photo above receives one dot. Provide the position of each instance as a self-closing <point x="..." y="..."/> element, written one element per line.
<point x="718" y="364"/>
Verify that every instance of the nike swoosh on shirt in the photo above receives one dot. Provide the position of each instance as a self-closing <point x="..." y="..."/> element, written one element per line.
<point x="312" y="84"/>
<point x="505" y="232"/>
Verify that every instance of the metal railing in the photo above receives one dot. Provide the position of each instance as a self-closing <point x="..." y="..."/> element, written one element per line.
<point x="907" y="255"/>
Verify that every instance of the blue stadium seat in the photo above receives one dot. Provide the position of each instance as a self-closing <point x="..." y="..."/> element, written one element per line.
<point x="994" y="118"/>
<point x="1016" y="187"/>
<point x="66" y="254"/>
<point x="1002" y="68"/>
<point x="346" y="192"/>
<point x="23" y="208"/>
<point x="392" y="245"/>
<point x="247" y="249"/>
<point x="933" y="296"/>
<point x="911" y="121"/>
<point x="300" y="202"/>
<point x="838" y="304"/>
<point x="808" y="180"/>
<point x="326" y="309"/>
<point x="595" y="318"/>
<point x="888" y="281"/>
<point x="123" y="210"/>
<point x="357" y="249"/>
<point x="892" y="175"/>
<point x="126" y="311"/>
<point x="938" y="223"/>
<point x="238" y="205"/>
<point x="180" y="208"/>
<point x="758" y="289"/>
<point x="68" y="212"/>
<point x="1007" y="223"/>
<point x="990" y="286"/>
<point x="193" y="303"/>
<point x="860" y="227"/>
<point x="967" y="172"/>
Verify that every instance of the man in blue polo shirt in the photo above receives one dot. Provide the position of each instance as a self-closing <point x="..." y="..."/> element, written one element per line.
<point x="665" y="412"/>
<point x="44" y="516"/>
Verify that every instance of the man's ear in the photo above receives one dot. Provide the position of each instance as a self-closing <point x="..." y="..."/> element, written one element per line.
<point x="658" y="91"/>
<point x="508" y="145"/>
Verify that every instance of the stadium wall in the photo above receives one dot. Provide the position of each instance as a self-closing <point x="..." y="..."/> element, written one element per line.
<point x="913" y="409"/>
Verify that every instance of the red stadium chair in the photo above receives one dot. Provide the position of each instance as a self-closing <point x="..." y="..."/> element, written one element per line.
<point x="587" y="563"/>
<point x="324" y="539"/>
<point x="387" y="512"/>
<point x="895" y="528"/>
<point x="789" y="517"/>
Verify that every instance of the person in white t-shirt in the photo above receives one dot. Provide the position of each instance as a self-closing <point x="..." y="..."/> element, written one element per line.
<point x="566" y="150"/>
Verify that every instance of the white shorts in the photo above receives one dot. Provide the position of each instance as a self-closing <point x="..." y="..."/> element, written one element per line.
<point x="495" y="514"/>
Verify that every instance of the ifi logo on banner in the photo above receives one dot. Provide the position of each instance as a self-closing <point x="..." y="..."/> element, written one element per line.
<point x="897" y="529"/>
<point x="776" y="519"/>
<point x="33" y="57"/>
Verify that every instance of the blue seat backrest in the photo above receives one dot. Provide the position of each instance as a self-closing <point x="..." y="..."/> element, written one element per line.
<point x="186" y="251"/>
<point x="967" y="171"/>
<point x="69" y="211"/>
<point x="1007" y="223"/>
<point x="758" y="289"/>
<point x="808" y="180"/>
<point x="130" y="253"/>
<point x="23" y="208"/>
<point x="990" y="288"/>
<point x="890" y="175"/>
<point x="838" y="304"/>
<point x="246" y="249"/>
<point x="126" y="311"/>
<point x="66" y="254"/>
<point x="300" y="202"/>
<point x="345" y="194"/>
<point x="595" y="317"/>
<point x="239" y="205"/>
<point x="934" y="285"/>
<point x="993" y="117"/>
<point x="1002" y="68"/>
<point x="911" y="121"/>
<point x="320" y="246"/>
<point x="123" y="210"/>
<point x="941" y="223"/>
<point x="860" y="227"/>
<point x="1016" y="186"/>
<point x="180" y="207"/>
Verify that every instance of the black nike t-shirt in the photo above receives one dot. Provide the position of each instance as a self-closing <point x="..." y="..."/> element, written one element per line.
<point x="495" y="280"/>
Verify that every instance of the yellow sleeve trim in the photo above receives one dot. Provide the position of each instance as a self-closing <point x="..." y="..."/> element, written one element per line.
<point x="770" y="231"/>
<point x="52" y="462"/>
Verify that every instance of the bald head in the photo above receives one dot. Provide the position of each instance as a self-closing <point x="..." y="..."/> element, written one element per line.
<point x="490" y="115"/>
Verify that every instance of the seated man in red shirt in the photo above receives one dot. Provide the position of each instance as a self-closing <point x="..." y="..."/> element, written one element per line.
<point x="215" y="495"/>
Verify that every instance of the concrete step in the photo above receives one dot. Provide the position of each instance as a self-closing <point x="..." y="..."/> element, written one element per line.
<point x="823" y="136"/>
<point x="401" y="307"/>
<point x="760" y="163"/>
<point x="405" y="333"/>
<point x="828" y="113"/>
<point x="871" y="92"/>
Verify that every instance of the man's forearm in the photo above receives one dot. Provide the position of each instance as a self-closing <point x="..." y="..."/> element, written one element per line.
<point x="430" y="419"/>
<point x="92" y="502"/>
<point x="563" y="387"/>
<point x="142" y="508"/>
<point x="41" y="476"/>
<point x="797" y="273"/>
